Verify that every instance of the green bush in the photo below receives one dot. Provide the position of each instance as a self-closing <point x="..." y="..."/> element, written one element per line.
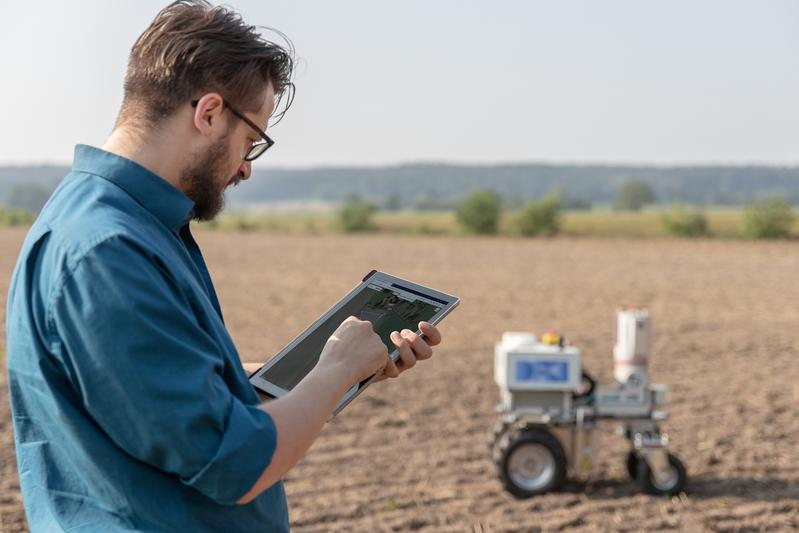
<point x="684" y="222"/>
<point x="540" y="218"/>
<point x="768" y="219"/>
<point x="16" y="217"/>
<point x="633" y="195"/>
<point x="355" y="215"/>
<point x="479" y="213"/>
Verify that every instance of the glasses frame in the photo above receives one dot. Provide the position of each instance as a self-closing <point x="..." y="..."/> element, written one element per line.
<point x="266" y="139"/>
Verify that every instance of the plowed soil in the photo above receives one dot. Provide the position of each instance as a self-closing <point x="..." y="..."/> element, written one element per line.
<point x="410" y="454"/>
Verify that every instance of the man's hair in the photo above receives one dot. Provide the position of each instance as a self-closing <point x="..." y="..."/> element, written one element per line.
<point x="192" y="48"/>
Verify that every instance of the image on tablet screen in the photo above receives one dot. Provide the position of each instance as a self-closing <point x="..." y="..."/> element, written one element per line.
<point x="387" y="309"/>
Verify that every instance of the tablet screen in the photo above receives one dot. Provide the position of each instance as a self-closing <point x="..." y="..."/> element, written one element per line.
<point x="389" y="308"/>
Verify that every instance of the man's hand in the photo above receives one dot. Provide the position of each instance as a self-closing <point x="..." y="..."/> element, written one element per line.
<point x="412" y="348"/>
<point x="355" y="349"/>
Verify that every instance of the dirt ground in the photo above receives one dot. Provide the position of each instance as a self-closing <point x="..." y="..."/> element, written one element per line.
<point x="410" y="454"/>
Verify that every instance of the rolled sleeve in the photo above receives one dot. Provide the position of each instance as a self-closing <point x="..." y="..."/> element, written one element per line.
<point x="152" y="377"/>
<point x="244" y="452"/>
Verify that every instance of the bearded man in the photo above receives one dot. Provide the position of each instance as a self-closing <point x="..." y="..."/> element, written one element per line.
<point x="131" y="407"/>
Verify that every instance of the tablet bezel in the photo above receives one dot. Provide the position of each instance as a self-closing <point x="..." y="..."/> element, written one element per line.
<point x="447" y="301"/>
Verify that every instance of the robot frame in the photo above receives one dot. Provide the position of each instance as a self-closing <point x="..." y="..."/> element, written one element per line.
<point x="550" y="407"/>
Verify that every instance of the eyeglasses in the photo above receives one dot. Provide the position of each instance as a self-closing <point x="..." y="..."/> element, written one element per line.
<point x="256" y="150"/>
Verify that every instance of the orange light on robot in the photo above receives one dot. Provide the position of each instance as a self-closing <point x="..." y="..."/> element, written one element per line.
<point x="551" y="338"/>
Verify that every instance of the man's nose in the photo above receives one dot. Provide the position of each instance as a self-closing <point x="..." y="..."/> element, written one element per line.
<point x="245" y="170"/>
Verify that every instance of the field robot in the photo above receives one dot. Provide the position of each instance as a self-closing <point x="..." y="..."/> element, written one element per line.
<point x="550" y="407"/>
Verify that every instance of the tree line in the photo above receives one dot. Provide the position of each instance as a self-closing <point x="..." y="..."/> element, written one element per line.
<point x="480" y="213"/>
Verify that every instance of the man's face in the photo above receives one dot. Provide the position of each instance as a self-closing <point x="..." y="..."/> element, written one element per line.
<point x="222" y="164"/>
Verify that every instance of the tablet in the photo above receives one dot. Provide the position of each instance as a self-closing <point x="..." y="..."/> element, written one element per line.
<point x="388" y="302"/>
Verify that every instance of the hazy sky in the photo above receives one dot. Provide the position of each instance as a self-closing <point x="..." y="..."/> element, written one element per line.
<point x="676" y="81"/>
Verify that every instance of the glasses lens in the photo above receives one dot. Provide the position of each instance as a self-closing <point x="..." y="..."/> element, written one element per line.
<point x="256" y="151"/>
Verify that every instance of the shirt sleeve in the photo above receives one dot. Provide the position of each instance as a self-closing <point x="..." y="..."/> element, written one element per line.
<point x="151" y="377"/>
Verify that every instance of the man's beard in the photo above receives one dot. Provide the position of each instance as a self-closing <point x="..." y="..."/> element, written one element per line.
<point x="201" y="182"/>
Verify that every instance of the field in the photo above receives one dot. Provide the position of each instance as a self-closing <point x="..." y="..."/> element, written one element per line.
<point x="410" y="454"/>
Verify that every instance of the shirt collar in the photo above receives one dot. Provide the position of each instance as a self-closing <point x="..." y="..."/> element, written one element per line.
<point x="173" y="208"/>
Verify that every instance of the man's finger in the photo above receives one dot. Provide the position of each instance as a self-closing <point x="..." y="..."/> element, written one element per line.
<point x="421" y="350"/>
<point x="431" y="334"/>
<point x="405" y="352"/>
<point x="391" y="369"/>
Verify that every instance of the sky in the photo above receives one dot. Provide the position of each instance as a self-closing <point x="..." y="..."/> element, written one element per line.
<point x="469" y="81"/>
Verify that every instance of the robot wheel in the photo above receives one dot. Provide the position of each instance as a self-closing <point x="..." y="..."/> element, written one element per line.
<point x="640" y="471"/>
<point x="530" y="462"/>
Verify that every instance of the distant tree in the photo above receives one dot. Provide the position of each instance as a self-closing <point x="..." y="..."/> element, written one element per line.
<point x="28" y="197"/>
<point x="355" y="215"/>
<point x="514" y="202"/>
<point x="428" y="202"/>
<point x="575" y="204"/>
<point x="479" y="212"/>
<point x="684" y="222"/>
<point x="540" y="218"/>
<point x="768" y="219"/>
<point x="572" y="201"/>
<point x="393" y="202"/>
<point x="633" y="195"/>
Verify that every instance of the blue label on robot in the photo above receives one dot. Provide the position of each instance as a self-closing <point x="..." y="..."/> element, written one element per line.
<point x="542" y="371"/>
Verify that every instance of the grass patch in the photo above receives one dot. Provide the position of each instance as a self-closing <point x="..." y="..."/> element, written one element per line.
<point x="725" y="223"/>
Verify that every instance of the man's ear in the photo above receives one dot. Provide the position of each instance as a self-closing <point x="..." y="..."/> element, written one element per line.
<point x="208" y="113"/>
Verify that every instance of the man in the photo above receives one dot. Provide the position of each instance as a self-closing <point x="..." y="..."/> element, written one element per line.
<point x="131" y="407"/>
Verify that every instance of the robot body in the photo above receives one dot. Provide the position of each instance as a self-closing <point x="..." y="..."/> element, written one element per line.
<point x="550" y="406"/>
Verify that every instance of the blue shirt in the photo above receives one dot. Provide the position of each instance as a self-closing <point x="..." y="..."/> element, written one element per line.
<point x="131" y="408"/>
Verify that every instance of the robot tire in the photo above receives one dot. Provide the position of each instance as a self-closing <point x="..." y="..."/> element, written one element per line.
<point x="530" y="462"/>
<point x="646" y="480"/>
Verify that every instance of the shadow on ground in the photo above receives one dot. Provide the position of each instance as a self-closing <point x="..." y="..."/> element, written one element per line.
<point x="765" y="490"/>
